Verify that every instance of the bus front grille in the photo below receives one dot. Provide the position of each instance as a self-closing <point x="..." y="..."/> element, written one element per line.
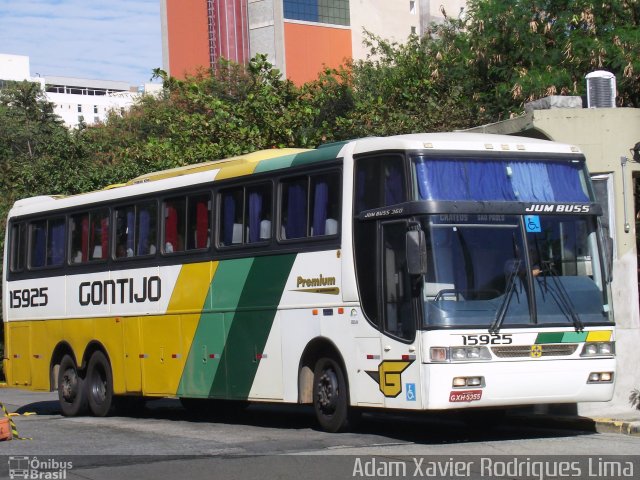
<point x="535" y="351"/>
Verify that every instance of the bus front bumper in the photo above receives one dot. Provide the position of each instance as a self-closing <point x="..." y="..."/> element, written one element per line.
<point x="516" y="383"/>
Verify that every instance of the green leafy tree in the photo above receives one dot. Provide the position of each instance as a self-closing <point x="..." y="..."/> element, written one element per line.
<point x="518" y="51"/>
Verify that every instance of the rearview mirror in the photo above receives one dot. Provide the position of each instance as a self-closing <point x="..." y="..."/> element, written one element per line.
<point x="608" y="252"/>
<point x="416" y="252"/>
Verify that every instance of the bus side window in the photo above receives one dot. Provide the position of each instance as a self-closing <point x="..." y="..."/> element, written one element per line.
<point x="379" y="182"/>
<point x="47" y="242"/>
<point x="18" y="247"/>
<point x="246" y="215"/>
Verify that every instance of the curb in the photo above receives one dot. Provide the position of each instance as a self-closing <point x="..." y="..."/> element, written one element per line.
<point x="610" y="425"/>
<point x="596" y="425"/>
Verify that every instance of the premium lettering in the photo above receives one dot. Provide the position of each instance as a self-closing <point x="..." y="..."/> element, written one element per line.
<point x="120" y="291"/>
<point x="316" y="282"/>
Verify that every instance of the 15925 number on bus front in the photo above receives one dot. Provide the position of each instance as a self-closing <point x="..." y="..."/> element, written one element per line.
<point x="28" y="297"/>
<point x="487" y="339"/>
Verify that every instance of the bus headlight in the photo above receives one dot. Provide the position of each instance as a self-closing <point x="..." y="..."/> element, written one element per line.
<point x="459" y="354"/>
<point x="595" y="349"/>
<point x="600" y="377"/>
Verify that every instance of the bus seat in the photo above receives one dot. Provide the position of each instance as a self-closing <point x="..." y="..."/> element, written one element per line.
<point x="236" y="237"/>
<point x="265" y="229"/>
<point x="330" y="226"/>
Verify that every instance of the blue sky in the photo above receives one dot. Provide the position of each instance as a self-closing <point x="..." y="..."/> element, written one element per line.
<point x="98" y="39"/>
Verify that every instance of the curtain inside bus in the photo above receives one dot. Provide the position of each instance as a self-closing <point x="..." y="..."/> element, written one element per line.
<point x="202" y="224"/>
<point x="513" y="180"/>
<point x="255" y="216"/>
<point x="320" y="203"/>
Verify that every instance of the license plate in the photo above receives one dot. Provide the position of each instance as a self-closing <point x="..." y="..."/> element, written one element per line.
<point x="465" y="396"/>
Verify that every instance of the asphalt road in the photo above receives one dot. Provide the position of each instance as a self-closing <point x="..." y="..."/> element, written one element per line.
<point x="267" y="441"/>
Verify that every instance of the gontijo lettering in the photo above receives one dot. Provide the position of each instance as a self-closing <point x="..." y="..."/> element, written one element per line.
<point x="121" y="290"/>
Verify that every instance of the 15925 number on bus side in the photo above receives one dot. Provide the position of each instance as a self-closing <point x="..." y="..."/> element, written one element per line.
<point x="28" y="297"/>
<point x="487" y="339"/>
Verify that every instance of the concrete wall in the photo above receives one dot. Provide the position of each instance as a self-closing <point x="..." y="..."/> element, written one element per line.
<point x="391" y="20"/>
<point x="266" y="32"/>
<point x="604" y="135"/>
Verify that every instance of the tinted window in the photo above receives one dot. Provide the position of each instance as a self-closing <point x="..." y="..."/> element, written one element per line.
<point x="310" y="206"/>
<point x="245" y="215"/>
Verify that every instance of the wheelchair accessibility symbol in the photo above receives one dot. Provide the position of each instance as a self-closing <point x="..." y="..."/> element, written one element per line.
<point x="532" y="222"/>
<point x="411" y="392"/>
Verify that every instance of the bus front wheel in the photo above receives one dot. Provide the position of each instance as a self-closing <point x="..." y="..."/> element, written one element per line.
<point x="330" y="398"/>
<point x="99" y="384"/>
<point x="71" y="391"/>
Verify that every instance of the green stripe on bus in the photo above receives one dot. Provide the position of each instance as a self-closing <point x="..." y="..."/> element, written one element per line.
<point x="251" y="325"/>
<point x="321" y="154"/>
<point x="205" y="354"/>
<point x="561" y="337"/>
<point x="327" y="152"/>
<point x="574" y="337"/>
<point x="274" y="163"/>
<point x="550" y="337"/>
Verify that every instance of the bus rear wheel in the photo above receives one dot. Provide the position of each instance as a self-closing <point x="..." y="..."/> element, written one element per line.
<point x="71" y="390"/>
<point x="99" y="384"/>
<point x="330" y="398"/>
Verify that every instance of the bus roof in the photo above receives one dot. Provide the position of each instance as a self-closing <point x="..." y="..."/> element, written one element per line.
<point x="275" y="159"/>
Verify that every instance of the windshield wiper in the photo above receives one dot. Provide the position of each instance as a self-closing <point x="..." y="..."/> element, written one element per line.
<point x="504" y="306"/>
<point x="562" y="299"/>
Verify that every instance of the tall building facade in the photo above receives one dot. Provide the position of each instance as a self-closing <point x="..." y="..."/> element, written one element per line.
<point x="300" y="37"/>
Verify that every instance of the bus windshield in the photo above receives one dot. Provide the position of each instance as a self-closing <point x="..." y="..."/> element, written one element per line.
<point x="488" y="270"/>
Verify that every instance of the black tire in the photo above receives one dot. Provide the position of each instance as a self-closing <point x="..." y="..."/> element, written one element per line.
<point x="71" y="390"/>
<point x="331" y="397"/>
<point x="99" y="384"/>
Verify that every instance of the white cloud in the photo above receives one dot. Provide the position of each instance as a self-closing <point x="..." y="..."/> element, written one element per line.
<point x="109" y="40"/>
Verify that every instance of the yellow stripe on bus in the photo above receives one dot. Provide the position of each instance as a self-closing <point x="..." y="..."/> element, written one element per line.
<point x="599" y="336"/>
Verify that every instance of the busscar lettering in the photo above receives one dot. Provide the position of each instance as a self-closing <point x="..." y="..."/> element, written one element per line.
<point x="556" y="208"/>
<point x="120" y="291"/>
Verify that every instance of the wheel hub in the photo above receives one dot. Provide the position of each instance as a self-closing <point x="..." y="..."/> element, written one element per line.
<point x="328" y="391"/>
<point x="69" y="385"/>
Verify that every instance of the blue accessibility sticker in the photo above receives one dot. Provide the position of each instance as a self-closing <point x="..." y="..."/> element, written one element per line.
<point x="532" y="223"/>
<point x="411" y="392"/>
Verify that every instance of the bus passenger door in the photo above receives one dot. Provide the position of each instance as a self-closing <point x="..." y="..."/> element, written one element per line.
<point x="400" y="367"/>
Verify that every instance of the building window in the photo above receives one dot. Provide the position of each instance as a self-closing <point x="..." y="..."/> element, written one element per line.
<point x="413" y="30"/>
<point x="412" y="7"/>
<point x="334" y="12"/>
<point x="95" y="109"/>
<point x="79" y="108"/>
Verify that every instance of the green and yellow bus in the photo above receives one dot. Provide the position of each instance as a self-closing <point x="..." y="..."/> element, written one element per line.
<point x="415" y="272"/>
